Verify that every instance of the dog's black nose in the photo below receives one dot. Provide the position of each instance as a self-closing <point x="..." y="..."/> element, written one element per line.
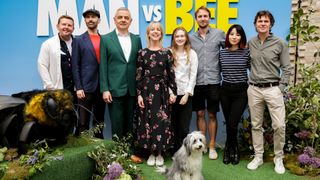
<point x="200" y="146"/>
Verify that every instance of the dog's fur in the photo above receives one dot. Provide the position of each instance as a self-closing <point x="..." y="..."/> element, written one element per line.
<point x="187" y="161"/>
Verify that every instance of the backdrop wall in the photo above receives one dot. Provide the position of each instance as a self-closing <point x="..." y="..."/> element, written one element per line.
<point x="26" y="24"/>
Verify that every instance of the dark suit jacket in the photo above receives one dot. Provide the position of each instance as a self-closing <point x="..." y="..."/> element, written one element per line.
<point x="85" y="67"/>
<point x="116" y="74"/>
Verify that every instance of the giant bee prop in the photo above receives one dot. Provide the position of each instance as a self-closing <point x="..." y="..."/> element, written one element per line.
<point x="36" y="115"/>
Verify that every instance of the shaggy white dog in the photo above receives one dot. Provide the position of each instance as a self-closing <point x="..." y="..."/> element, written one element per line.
<point x="187" y="161"/>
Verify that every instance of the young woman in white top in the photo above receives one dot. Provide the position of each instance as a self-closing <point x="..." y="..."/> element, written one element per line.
<point x="185" y="66"/>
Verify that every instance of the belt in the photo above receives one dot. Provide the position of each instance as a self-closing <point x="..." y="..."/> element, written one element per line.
<point x="235" y="85"/>
<point x="265" y="85"/>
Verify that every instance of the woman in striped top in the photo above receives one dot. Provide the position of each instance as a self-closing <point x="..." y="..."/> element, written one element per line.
<point x="234" y="64"/>
<point x="185" y="66"/>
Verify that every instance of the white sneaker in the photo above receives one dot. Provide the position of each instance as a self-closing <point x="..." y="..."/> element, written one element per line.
<point x="213" y="153"/>
<point x="255" y="163"/>
<point x="159" y="160"/>
<point x="278" y="165"/>
<point x="151" y="160"/>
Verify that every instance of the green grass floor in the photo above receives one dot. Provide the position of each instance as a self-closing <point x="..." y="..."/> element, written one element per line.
<point x="216" y="170"/>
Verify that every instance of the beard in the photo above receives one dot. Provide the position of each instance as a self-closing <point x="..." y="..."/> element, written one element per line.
<point x="203" y="26"/>
<point x="92" y="26"/>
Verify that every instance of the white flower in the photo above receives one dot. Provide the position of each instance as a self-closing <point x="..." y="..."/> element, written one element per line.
<point x="113" y="155"/>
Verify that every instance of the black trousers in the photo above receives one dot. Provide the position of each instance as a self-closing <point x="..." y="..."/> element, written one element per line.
<point x="181" y="117"/>
<point x="92" y="104"/>
<point x="234" y="100"/>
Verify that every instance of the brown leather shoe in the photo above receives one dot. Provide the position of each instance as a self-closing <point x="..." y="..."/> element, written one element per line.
<point x="136" y="159"/>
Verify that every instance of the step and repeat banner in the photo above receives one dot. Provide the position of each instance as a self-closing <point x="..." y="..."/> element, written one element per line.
<point x="26" y="24"/>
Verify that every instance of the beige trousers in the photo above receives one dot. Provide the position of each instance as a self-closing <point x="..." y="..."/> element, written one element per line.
<point x="273" y="98"/>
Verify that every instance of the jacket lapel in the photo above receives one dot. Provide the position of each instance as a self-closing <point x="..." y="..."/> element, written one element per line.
<point x="117" y="45"/>
<point x="133" y="46"/>
<point x="88" y="43"/>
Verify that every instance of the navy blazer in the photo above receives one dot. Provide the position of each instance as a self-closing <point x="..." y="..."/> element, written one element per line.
<point x="85" y="67"/>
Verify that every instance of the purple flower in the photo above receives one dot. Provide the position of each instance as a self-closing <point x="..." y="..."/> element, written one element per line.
<point x="303" y="134"/>
<point x="289" y="96"/>
<point x="32" y="160"/>
<point x="309" y="151"/>
<point x="36" y="153"/>
<point x="304" y="159"/>
<point x="315" y="162"/>
<point x="114" y="171"/>
<point x="108" y="177"/>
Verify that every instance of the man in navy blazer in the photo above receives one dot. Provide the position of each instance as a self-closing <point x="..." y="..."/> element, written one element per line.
<point x="85" y="70"/>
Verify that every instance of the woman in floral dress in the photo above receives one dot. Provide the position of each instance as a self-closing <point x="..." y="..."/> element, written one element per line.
<point x="156" y="90"/>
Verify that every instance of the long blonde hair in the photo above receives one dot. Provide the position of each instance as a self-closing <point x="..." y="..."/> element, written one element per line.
<point x="174" y="46"/>
<point x="157" y="24"/>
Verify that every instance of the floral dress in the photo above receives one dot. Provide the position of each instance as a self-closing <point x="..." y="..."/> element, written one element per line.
<point x="155" y="75"/>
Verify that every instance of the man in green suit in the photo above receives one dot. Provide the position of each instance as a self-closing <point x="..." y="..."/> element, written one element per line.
<point x="119" y="52"/>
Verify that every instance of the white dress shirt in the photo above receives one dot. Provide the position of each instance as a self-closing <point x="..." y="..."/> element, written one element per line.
<point x="125" y="42"/>
<point x="186" y="73"/>
<point x="69" y="45"/>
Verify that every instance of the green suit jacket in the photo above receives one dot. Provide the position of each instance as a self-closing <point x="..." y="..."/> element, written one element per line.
<point x="116" y="74"/>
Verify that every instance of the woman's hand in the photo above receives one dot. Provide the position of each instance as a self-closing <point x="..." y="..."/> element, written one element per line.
<point x="140" y="101"/>
<point x="172" y="98"/>
<point x="184" y="99"/>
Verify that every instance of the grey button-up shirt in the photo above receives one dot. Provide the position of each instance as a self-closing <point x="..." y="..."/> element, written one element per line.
<point x="269" y="61"/>
<point x="208" y="55"/>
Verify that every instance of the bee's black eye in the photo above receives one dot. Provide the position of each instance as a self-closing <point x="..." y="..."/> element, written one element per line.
<point x="52" y="107"/>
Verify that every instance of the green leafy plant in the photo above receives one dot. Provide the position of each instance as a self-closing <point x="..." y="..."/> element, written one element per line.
<point x="302" y="31"/>
<point x="118" y="153"/>
<point x="3" y="169"/>
<point x="303" y="109"/>
<point x="90" y="133"/>
<point x="2" y="152"/>
<point x="33" y="162"/>
<point x="303" y="99"/>
<point x="39" y="157"/>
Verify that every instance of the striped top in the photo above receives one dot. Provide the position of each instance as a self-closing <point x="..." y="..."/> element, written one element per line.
<point x="234" y="65"/>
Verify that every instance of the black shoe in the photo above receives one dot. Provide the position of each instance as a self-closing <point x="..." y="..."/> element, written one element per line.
<point x="226" y="155"/>
<point x="236" y="156"/>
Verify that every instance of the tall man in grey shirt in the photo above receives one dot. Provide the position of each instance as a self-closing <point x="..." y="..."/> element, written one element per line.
<point x="207" y="43"/>
<point x="270" y="72"/>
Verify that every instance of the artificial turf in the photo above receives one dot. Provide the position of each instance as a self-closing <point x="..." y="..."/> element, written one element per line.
<point x="216" y="170"/>
<point x="77" y="165"/>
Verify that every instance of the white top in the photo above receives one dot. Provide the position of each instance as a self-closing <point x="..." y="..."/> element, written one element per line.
<point x="69" y="45"/>
<point x="186" y="73"/>
<point x="125" y="42"/>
